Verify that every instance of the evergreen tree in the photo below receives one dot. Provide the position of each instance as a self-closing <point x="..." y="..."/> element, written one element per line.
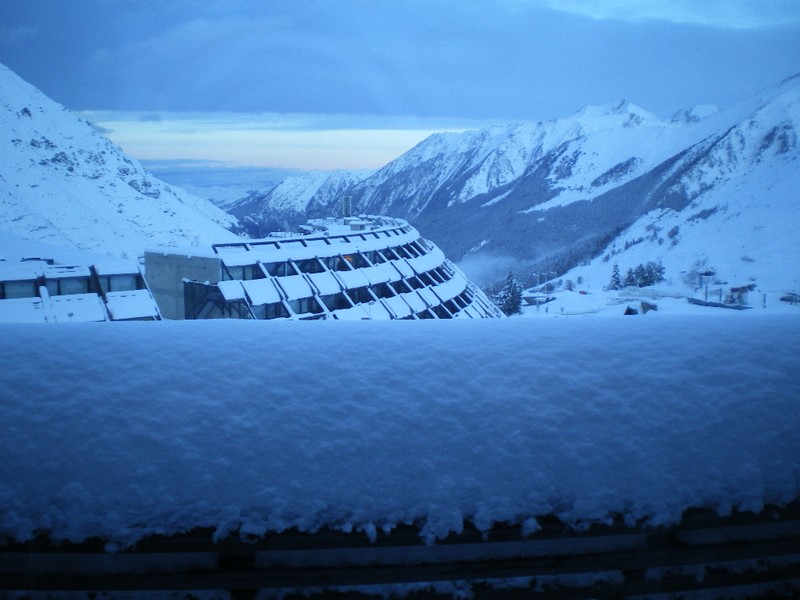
<point x="640" y="275"/>
<point x="650" y="274"/>
<point x="616" y="280"/>
<point x="660" y="270"/>
<point x="509" y="299"/>
<point x="630" y="278"/>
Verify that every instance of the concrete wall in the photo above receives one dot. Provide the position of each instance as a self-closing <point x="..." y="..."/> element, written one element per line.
<point x="165" y="274"/>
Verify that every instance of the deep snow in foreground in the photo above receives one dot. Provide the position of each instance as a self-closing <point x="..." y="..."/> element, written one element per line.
<point x="125" y="429"/>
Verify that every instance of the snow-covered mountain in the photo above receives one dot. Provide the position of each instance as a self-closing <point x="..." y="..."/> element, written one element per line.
<point x="730" y="205"/>
<point x="62" y="182"/>
<point x="293" y="201"/>
<point x="556" y="194"/>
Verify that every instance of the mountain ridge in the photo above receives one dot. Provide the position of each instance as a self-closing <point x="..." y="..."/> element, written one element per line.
<point x="62" y="182"/>
<point x="554" y="194"/>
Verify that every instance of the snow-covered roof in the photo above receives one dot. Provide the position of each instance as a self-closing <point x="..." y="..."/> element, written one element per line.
<point x="398" y="306"/>
<point x="131" y="304"/>
<point x="260" y="291"/>
<point x="379" y="273"/>
<point x="22" y="310"/>
<point x="21" y="271"/>
<point x="73" y="308"/>
<point x="452" y="287"/>
<point x="337" y="240"/>
<point x="231" y="290"/>
<point x="354" y="313"/>
<point x="353" y="279"/>
<point x="414" y="300"/>
<point x="427" y="261"/>
<point x="46" y="305"/>
<point x="325" y="283"/>
<point x="76" y="308"/>
<point x="63" y="271"/>
<point x="295" y="287"/>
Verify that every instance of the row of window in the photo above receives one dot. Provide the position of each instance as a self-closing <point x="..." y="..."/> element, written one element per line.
<point x="327" y="240"/>
<point x="64" y="286"/>
<point x="364" y="295"/>
<point x="341" y="262"/>
<point x="318" y="306"/>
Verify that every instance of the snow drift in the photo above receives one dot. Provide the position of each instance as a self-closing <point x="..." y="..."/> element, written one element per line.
<point x="122" y="430"/>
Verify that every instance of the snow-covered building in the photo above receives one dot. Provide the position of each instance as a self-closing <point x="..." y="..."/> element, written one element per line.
<point x="39" y="290"/>
<point x="352" y="268"/>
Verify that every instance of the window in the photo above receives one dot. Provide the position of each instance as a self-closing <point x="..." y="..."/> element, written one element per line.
<point x="121" y="283"/>
<point x="67" y="285"/>
<point x="400" y="286"/>
<point x="418" y="247"/>
<point x="426" y="279"/>
<point x="391" y="254"/>
<point x="335" y="263"/>
<point x="374" y="257"/>
<point x="310" y="265"/>
<point x="271" y="311"/>
<point x="415" y="283"/>
<point x="441" y="312"/>
<point x="382" y="290"/>
<point x="233" y="272"/>
<point x="305" y="305"/>
<point x="335" y="301"/>
<point x="412" y="251"/>
<point x="360" y="295"/>
<point x="280" y="269"/>
<point x="357" y="260"/>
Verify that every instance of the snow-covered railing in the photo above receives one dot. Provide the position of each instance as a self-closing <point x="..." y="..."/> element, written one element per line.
<point x="741" y="555"/>
<point x="306" y="440"/>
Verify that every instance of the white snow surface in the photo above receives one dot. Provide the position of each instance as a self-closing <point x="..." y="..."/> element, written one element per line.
<point x="121" y="430"/>
<point x="63" y="183"/>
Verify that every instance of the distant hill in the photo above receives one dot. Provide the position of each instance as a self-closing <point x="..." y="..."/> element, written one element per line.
<point x="294" y="200"/>
<point x="554" y="195"/>
<point x="63" y="183"/>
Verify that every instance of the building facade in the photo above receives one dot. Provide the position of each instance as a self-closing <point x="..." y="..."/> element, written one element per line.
<point x="351" y="268"/>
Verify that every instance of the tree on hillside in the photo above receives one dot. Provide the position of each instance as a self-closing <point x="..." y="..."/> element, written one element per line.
<point x="630" y="278"/>
<point x="509" y="298"/>
<point x="616" y="278"/>
<point x="655" y="272"/>
<point x="640" y="275"/>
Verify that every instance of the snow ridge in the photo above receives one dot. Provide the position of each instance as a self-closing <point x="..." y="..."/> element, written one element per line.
<point x="62" y="182"/>
<point x="606" y="430"/>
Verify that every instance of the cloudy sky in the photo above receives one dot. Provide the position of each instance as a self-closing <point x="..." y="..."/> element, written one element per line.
<point x="354" y="83"/>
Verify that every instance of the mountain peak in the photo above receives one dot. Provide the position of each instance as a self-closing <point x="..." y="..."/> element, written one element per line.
<point x="615" y="114"/>
<point x="64" y="183"/>
<point x="694" y="114"/>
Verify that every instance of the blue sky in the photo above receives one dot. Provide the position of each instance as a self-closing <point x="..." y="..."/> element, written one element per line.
<point x="354" y="83"/>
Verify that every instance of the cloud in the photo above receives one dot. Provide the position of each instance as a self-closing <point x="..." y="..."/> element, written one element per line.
<point x="293" y="141"/>
<point x="726" y="14"/>
<point x="489" y="60"/>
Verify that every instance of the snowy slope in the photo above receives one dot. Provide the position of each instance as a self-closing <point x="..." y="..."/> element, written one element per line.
<point x="504" y="421"/>
<point x="556" y="194"/>
<point x="64" y="183"/>
<point x="294" y="200"/>
<point x="744" y="214"/>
